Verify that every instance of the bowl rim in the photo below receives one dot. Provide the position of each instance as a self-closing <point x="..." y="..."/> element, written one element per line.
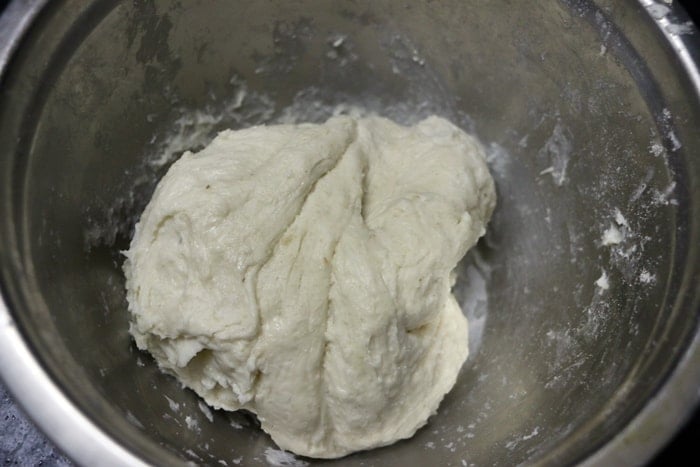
<point x="88" y="444"/>
<point x="29" y="384"/>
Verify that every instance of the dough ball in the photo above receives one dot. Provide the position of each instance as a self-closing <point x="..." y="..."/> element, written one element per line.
<point x="303" y="272"/>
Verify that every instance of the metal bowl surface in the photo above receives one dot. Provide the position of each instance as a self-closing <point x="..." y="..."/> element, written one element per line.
<point x="584" y="296"/>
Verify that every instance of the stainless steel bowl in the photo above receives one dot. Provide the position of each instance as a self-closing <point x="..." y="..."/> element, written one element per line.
<point x="590" y="110"/>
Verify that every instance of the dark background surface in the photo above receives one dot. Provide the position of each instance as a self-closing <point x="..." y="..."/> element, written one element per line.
<point x="22" y="444"/>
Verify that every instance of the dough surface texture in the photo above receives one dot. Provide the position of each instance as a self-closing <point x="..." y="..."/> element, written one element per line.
<point x="303" y="272"/>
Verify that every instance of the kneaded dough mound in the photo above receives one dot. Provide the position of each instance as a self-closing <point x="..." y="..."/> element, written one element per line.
<point x="303" y="272"/>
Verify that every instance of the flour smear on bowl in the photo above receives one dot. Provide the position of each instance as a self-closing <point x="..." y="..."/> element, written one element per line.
<point x="620" y="249"/>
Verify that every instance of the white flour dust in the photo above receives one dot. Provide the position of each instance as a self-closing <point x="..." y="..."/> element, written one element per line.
<point x="279" y="458"/>
<point x="557" y="149"/>
<point x="602" y="281"/>
<point x="617" y="241"/>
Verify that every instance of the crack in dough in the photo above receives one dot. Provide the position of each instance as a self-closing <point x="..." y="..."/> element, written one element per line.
<point x="304" y="273"/>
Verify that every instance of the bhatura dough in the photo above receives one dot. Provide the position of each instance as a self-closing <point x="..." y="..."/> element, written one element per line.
<point x="303" y="272"/>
